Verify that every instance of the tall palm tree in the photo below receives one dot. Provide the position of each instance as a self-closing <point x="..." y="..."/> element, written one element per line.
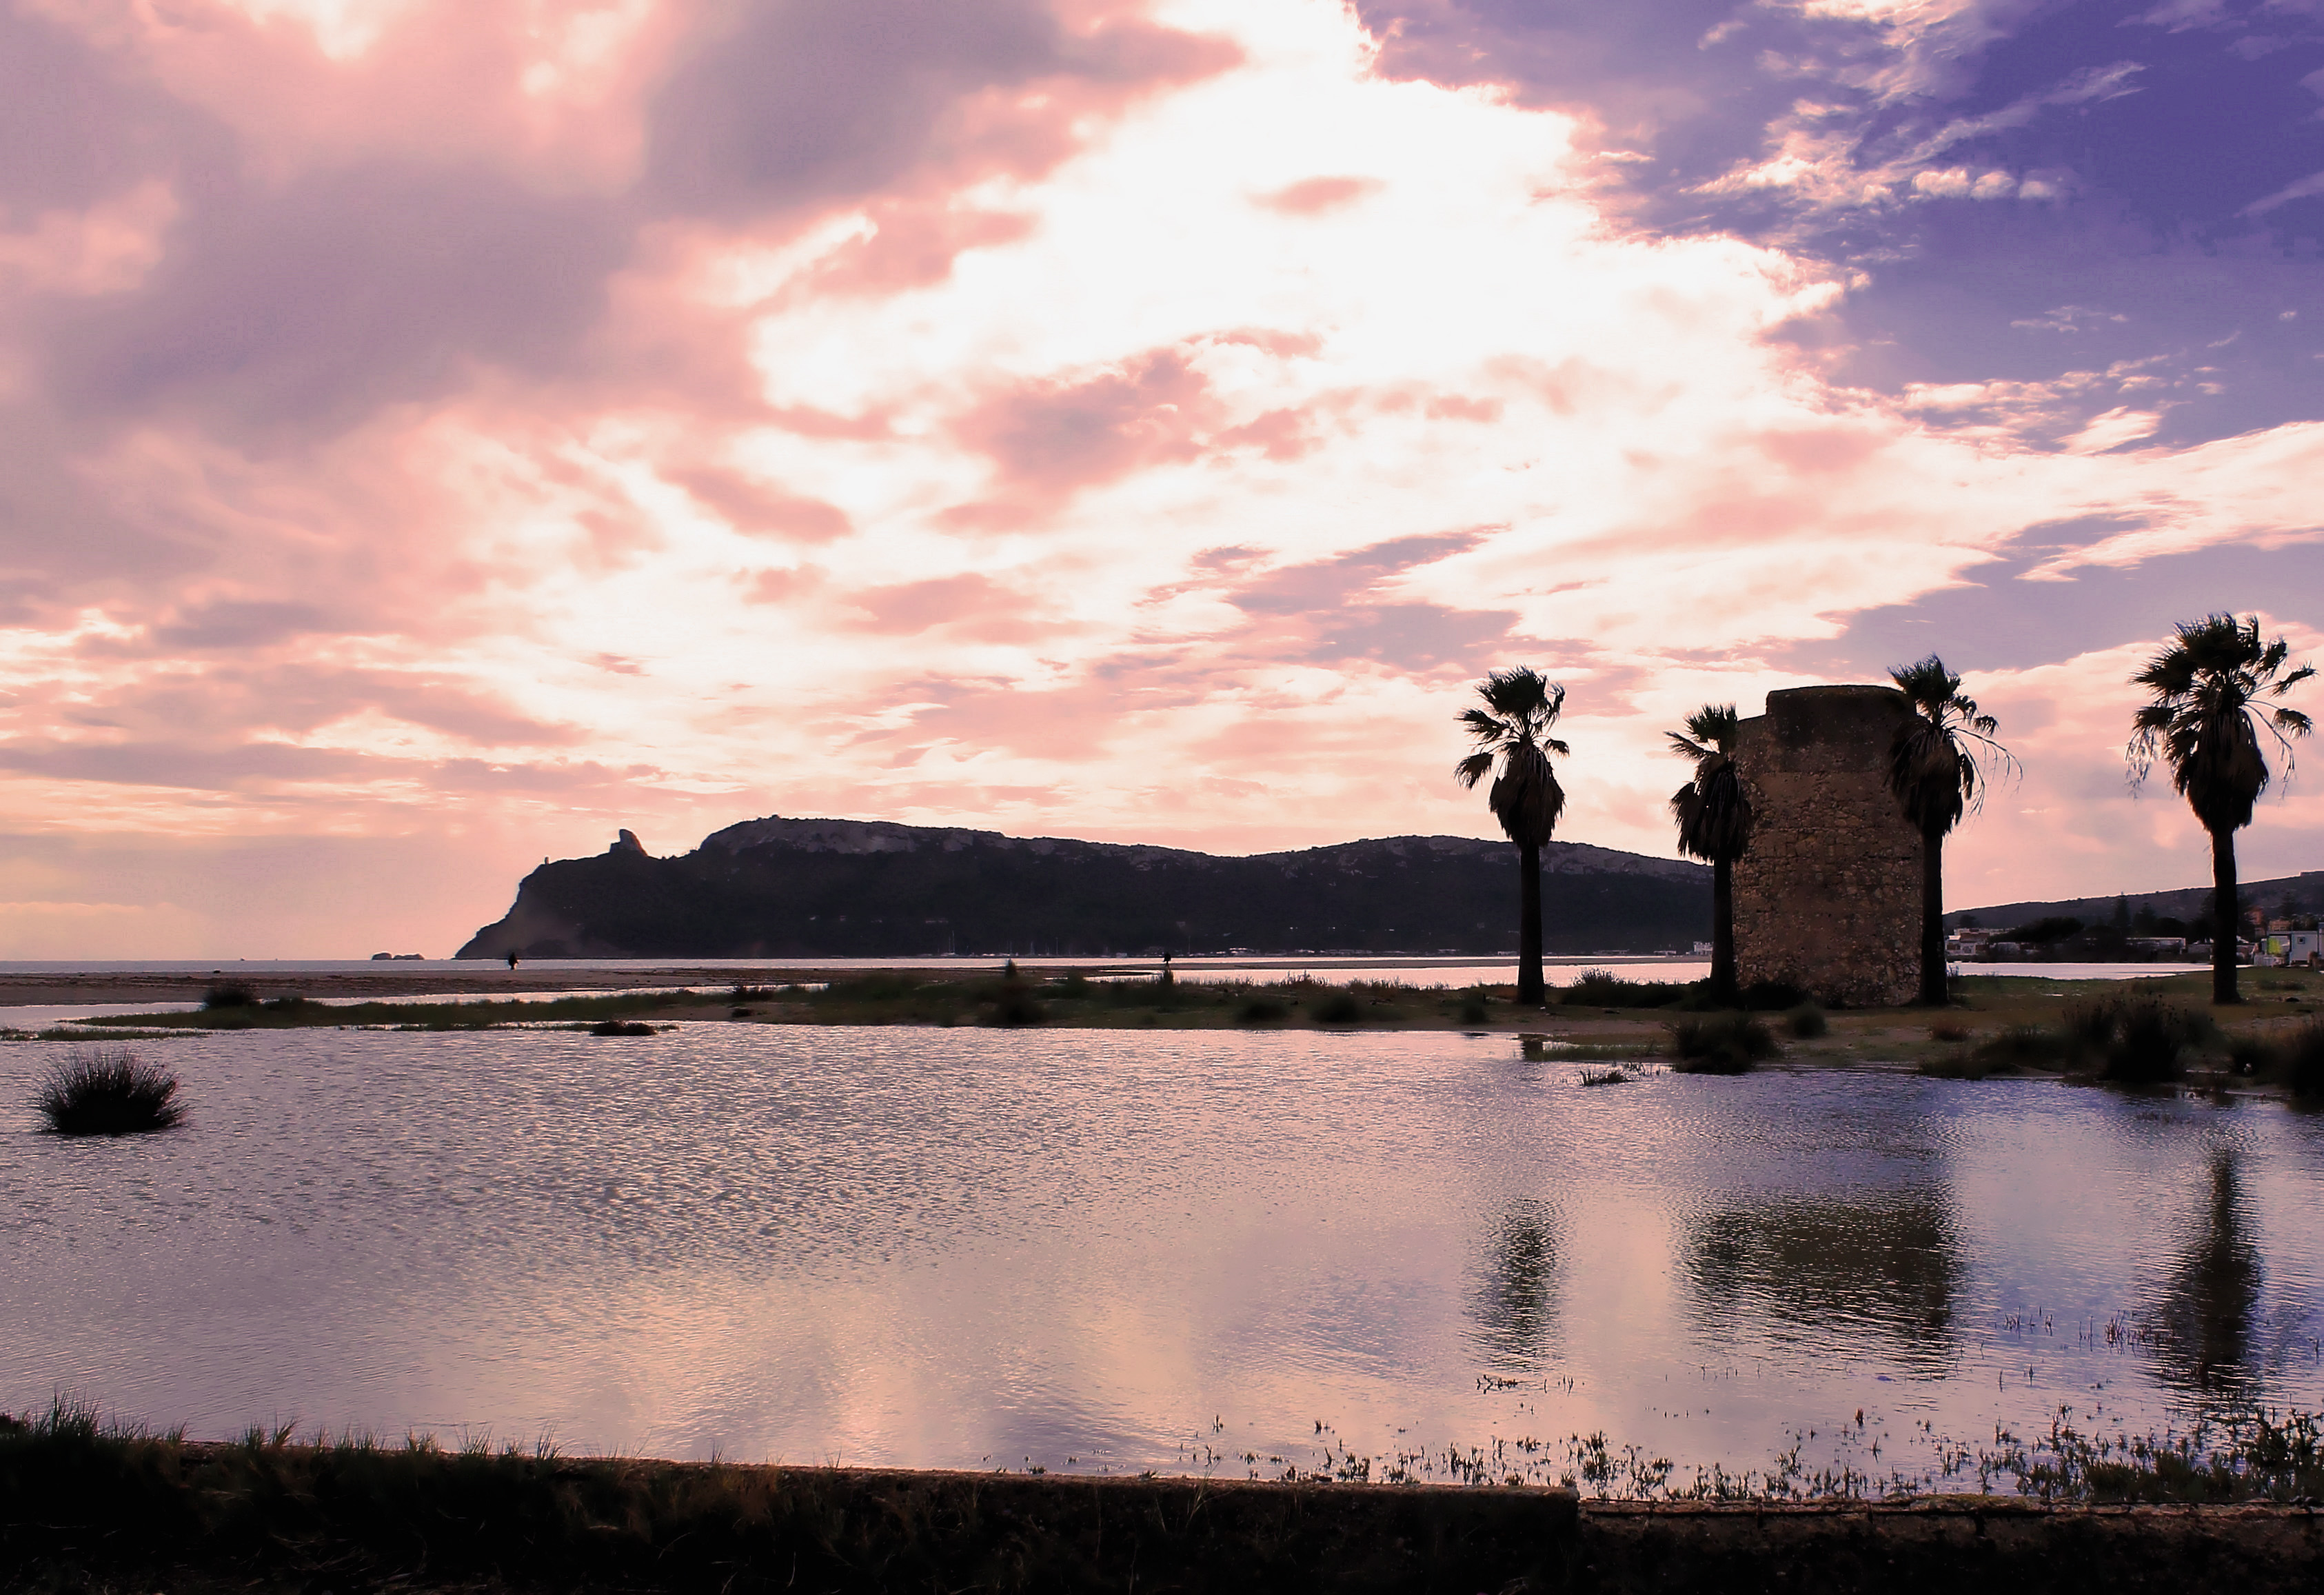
<point x="1512" y="732"/>
<point x="2201" y="724"/>
<point x="1714" y="825"/>
<point x="1934" y="770"/>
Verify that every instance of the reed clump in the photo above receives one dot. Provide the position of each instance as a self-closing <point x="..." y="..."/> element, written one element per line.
<point x="2132" y="1038"/>
<point x="108" y="1091"/>
<point x="1722" y="1044"/>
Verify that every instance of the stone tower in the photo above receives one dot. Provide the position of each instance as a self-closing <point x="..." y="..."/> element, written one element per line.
<point x="1828" y="898"/>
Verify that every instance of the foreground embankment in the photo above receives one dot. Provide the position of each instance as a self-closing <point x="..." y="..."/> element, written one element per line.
<point x="86" y="1509"/>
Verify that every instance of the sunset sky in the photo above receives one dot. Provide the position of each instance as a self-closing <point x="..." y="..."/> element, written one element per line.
<point x="437" y="433"/>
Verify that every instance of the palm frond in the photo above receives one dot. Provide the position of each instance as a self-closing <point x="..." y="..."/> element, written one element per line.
<point x="2202" y="718"/>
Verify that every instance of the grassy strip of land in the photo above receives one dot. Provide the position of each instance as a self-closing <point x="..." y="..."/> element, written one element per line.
<point x="80" y="1503"/>
<point x="88" y="1507"/>
<point x="2143" y="1031"/>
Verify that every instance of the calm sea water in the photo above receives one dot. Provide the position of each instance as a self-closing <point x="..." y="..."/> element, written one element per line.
<point x="1125" y="1250"/>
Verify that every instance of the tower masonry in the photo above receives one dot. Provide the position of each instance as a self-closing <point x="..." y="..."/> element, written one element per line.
<point x="1828" y="896"/>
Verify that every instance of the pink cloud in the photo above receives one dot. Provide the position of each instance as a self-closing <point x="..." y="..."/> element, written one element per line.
<point x="1317" y="196"/>
<point x="1047" y="439"/>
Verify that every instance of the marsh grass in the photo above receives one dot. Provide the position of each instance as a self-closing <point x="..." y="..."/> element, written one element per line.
<point x="2132" y="1037"/>
<point x="1602" y="988"/>
<point x="108" y="1091"/>
<point x="1262" y="1010"/>
<point x="286" y="1013"/>
<point x="1722" y="1044"/>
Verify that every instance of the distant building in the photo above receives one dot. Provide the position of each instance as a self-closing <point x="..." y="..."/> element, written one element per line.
<point x="1828" y="896"/>
<point x="2280" y="947"/>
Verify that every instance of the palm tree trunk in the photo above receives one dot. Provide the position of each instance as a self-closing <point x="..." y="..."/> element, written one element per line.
<point x="2226" y="916"/>
<point x="1722" y="930"/>
<point x="1530" y="989"/>
<point x="1932" y="917"/>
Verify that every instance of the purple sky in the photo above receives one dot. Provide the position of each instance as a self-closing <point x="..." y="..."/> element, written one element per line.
<point x="440" y="432"/>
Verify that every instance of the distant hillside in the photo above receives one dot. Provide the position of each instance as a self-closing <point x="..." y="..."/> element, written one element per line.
<point x="869" y="889"/>
<point x="2304" y="891"/>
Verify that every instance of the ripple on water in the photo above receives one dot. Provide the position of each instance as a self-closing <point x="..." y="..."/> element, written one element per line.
<point x="947" y="1247"/>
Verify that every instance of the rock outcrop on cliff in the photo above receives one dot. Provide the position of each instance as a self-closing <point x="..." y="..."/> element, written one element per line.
<point x="869" y="889"/>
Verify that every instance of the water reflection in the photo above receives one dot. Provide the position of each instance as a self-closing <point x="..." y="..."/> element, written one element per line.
<point x="2209" y="1303"/>
<point x="1788" y="1269"/>
<point x="1513" y="1309"/>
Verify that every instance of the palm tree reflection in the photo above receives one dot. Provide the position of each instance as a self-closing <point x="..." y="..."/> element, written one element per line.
<point x="1783" y="1270"/>
<point x="2210" y="1300"/>
<point x="1512" y="1309"/>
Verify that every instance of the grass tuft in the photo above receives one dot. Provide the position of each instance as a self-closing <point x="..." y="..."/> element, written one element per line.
<point x="1722" y="1044"/>
<point x="2131" y="1038"/>
<point x="108" y="1091"/>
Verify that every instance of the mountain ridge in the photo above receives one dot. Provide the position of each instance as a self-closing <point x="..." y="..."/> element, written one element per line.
<point x="835" y="887"/>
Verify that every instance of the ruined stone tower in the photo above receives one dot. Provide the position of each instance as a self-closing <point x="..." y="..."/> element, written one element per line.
<point x="1828" y="898"/>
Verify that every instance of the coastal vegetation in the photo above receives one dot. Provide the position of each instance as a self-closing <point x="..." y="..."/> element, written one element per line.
<point x="2152" y="1030"/>
<point x="1936" y="767"/>
<point x="2209" y="688"/>
<point x="1511" y="730"/>
<point x="1714" y="825"/>
<point x="108" y="1090"/>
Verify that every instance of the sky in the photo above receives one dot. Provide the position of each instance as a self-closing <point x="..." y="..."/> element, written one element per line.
<point x="436" y="434"/>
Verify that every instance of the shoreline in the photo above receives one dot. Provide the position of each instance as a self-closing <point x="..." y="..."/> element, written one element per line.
<point x="89" y="1509"/>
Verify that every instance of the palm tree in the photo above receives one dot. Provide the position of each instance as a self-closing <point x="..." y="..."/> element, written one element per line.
<point x="2201" y="724"/>
<point x="1714" y="825"/>
<point x="1512" y="731"/>
<point x="1933" y="769"/>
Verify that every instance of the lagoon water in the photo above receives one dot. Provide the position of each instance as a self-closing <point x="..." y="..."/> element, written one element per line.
<point x="1120" y="1250"/>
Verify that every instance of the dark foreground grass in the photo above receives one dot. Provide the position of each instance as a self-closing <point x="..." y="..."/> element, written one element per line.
<point x="94" y="1510"/>
<point x="108" y="1090"/>
<point x="80" y="1504"/>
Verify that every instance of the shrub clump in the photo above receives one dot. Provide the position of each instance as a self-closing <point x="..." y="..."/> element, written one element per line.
<point x="1722" y="1044"/>
<point x="1602" y="988"/>
<point x="229" y="994"/>
<point x="1806" y="1022"/>
<point x="621" y="1028"/>
<point x="2131" y="1038"/>
<point x="1341" y="1008"/>
<point x="1474" y="1009"/>
<point x="2300" y="1060"/>
<point x="2020" y="1047"/>
<point x="1262" y="1010"/>
<point x="108" y="1091"/>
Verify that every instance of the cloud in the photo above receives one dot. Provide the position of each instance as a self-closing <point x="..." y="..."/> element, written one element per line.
<point x="1314" y="196"/>
<point x="1094" y="418"/>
